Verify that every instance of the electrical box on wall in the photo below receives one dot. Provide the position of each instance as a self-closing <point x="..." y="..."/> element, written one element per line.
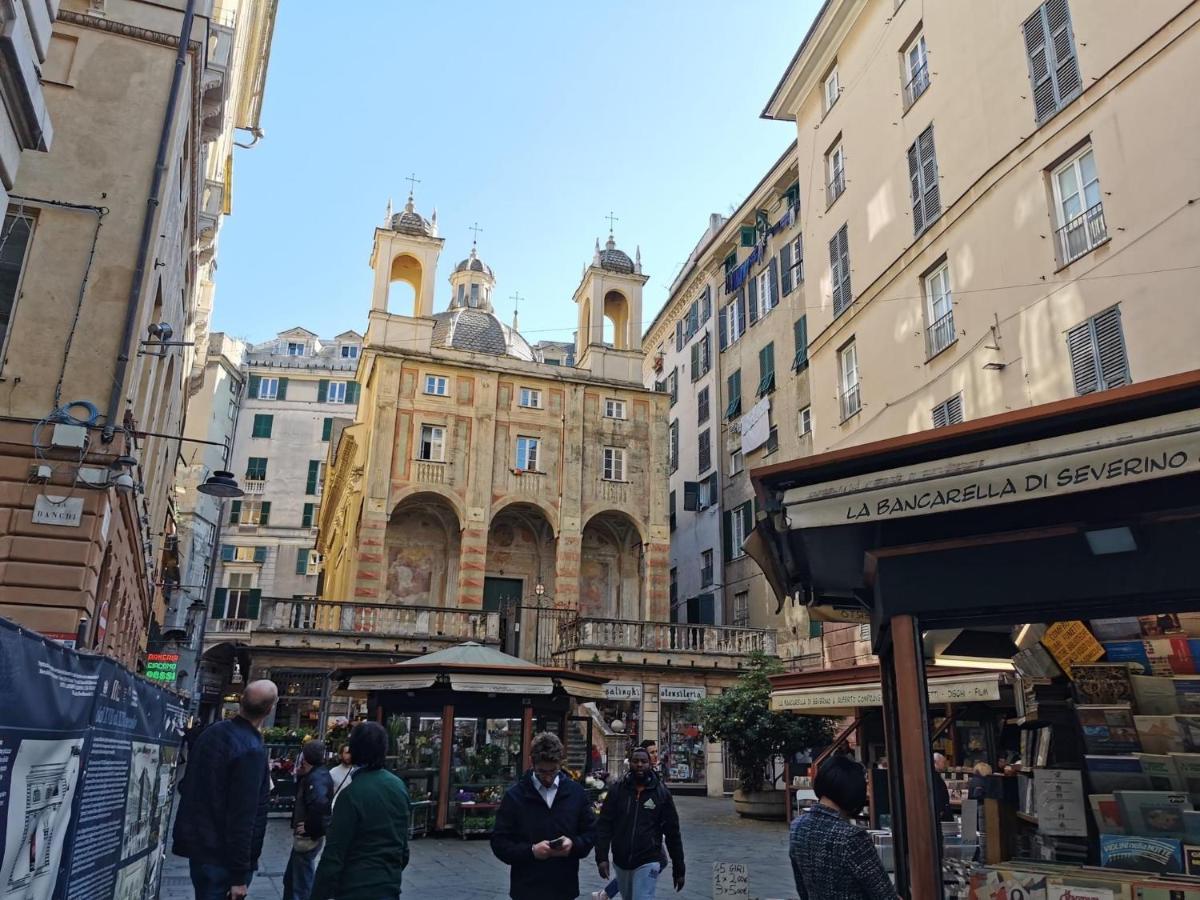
<point x="69" y="436"/>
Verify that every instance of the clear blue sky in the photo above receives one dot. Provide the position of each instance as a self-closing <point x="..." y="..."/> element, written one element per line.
<point x="534" y="119"/>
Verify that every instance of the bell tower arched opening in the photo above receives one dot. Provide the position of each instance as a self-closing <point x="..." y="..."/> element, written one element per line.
<point x="616" y="316"/>
<point x="404" y="283"/>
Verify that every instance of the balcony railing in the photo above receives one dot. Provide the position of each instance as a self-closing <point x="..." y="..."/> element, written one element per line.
<point x="917" y="85"/>
<point x="940" y="335"/>
<point x="1085" y="232"/>
<point x="851" y="402"/>
<point x="663" y="637"/>
<point x="836" y="186"/>
<point x="376" y="619"/>
<point x="253" y="487"/>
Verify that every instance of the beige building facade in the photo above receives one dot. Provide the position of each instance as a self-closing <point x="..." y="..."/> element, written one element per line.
<point x="999" y="206"/>
<point x="97" y="345"/>
<point x="25" y="30"/>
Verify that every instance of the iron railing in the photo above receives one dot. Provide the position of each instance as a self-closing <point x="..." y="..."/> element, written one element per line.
<point x="666" y="637"/>
<point x="917" y="85"/>
<point x="836" y="186"/>
<point x="851" y="401"/>
<point x="383" y="620"/>
<point x="1085" y="232"/>
<point x="940" y="335"/>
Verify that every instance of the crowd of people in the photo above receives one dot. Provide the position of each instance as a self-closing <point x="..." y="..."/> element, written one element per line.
<point x="350" y="825"/>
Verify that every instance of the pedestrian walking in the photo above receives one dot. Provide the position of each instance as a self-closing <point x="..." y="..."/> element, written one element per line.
<point x="941" y="799"/>
<point x="366" y="848"/>
<point x="223" y="799"/>
<point x="544" y="826"/>
<point x="637" y="816"/>
<point x="833" y="859"/>
<point x="342" y="771"/>
<point x="310" y="821"/>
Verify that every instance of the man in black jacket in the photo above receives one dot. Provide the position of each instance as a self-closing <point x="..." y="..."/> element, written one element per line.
<point x="637" y="815"/>
<point x="544" y="826"/>
<point x="223" y="800"/>
<point x="310" y="821"/>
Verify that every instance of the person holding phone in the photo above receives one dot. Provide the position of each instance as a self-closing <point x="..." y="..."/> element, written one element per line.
<point x="544" y="826"/>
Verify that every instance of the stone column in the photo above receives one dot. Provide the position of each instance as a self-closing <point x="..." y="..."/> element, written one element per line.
<point x="657" y="602"/>
<point x="370" y="571"/>
<point x="566" y="569"/>
<point x="472" y="565"/>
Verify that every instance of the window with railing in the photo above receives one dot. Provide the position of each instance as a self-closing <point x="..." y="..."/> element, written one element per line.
<point x="916" y="70"/>
<point x="1080" y="212"/>
<point x="851" y="399"/>
<point x="939" y="311"/>
<point x="835" y="173"/>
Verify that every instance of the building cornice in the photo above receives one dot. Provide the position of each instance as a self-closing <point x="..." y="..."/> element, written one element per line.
<point x="816" y="52"/>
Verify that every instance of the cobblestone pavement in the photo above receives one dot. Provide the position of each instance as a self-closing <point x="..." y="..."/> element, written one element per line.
<point x="448" y="868"/>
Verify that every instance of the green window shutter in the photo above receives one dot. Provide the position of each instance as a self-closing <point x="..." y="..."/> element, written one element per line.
<point x="727" y="533"/>
<point x="255" y="602"/>
<point x="314" y="469"/>
<point x="766" y="369"/>
<point x="800" y="331"/>
<point x="747" y="518"/>
<point x="260" y="555"/>
<point x="226" y="553"/>
<point x="322" y="390"/>
<point x="326" y="429"/>
<point x="252" y="386"/>
<point x="262" y="425"/>
<point x="306" y="519"/>
<point x="751" y="287"/>
<point x="735" y="395"/>
<point x="264" y="517"/>
<point x="352" y="392"/>
<point x="815" y="629"/>
<point x="282" y="393"/>
<point x="301" y="561"/>
<point x="747" y="235"/>
<point x="235" y="512"/>
<point x="218" y="606"/>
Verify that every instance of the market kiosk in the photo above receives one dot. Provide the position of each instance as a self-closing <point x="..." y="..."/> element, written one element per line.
<point x="1058" y="528"/>
<point x="461" y="721"/>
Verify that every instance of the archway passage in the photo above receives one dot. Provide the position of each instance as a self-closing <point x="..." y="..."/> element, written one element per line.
<point x="611" y="576"/>
<point x="422" y="545"/>
<point x="520" y="556"/>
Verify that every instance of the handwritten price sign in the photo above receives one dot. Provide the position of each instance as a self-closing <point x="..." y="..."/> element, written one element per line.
<point x="730" y="880"/>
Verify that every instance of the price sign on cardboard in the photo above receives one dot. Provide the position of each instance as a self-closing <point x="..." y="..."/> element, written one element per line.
<point x="730" y="880"/>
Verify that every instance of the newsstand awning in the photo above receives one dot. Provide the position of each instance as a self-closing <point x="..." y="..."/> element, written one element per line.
<point x="844" y="699"/>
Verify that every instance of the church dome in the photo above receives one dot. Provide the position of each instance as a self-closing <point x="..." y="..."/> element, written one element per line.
<point x="409" y="221"/>
<point x="473" y="264"/>
<point x="478" y="331"/>
<point x="614" y="260"/>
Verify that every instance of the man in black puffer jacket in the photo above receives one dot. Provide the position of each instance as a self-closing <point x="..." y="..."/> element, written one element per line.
<point x="544" y="827"/>
<point x="310" y="821"/>
<point x="637" y="815"/>
<point x="223" y="799"/>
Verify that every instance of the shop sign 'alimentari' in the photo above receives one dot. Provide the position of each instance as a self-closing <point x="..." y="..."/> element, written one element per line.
<point x="1107" y="457"/>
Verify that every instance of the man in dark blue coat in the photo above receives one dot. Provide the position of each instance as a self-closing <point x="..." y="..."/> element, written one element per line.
<point x="544" y="827"/>
<point x="223" y="800"/>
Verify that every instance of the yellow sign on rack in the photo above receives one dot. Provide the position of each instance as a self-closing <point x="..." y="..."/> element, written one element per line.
<point x="1072" y="644"/>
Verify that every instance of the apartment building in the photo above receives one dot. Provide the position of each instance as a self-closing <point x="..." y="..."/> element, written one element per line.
<point x="25" y="30"/>
<point x="102" y="255"/>
<point x="1001" y="206"/>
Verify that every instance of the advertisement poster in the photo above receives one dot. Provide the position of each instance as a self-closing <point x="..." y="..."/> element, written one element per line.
<point x="87" y="762"/>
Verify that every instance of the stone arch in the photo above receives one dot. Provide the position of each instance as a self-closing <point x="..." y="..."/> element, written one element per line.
<point x="456" y="503"/>
<point x="612" y="568"/>
<point x="616" y="311"/>
<point x="405" y="269"/>
<point x="521" y="546"/>
<point x="621" y="511"/>
<point x="546" y="509"/>
<point x="422" y="545"/>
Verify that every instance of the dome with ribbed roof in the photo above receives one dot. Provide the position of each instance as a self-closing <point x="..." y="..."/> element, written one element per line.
<point x="478" y="331"/>
<point x="409" y="221"/>
<point x="614" y="260"/>
<point x="473" y="264"/>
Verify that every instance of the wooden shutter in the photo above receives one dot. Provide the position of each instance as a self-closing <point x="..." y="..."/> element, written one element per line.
<point x="785" y="267"/>
<point x="235" y="512"/>
<point x="306" y="518"/>
<point x="1053" y="65"/>
<point x="226" y="553"/>
<point x="723" y="328"/>
<point x="747" y="236"/>
<point x="835" y="274"/>
<point x="679" y="336"/>
<point x="705" y="451"/>
<point x="691" y="495"/>
<point x="674" y="442"/>
<point x="695" y="361"/>
<point x="747" y="518"/>
<point x="260" y="555"/>
<point x="727" y="535"/>
<point x="314" y="468"/>
<point x="1085" y="368"/>
<point x="326" y="428"/>
<point x="322" y="390"/>
<point x="800" y="333"/>
<point x="752" y="290"/>
<point x="705" y="305"/>
<point x="254" y="603"/>
<point x="671" y="503"/>
<point x="301" y="561"/>
<point x="940" y="416"/>
<point x="220" y="596"/>
<point x="281" y="394"/>
<point x="842" y="247"/>
<point x="352" y="392"/>
<point x="1110" y="348"/>
<point x="914" y="181"/>
<point x="773" y="282"/>
<point x="1066" y="65"/>
<point x="734" y="390"/>
<point x="264" y="515"/>
<point x="252" y="386"/>
<point x="741" y="304"/>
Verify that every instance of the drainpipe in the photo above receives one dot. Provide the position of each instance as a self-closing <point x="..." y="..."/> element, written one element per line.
<point x="152" y="203"/>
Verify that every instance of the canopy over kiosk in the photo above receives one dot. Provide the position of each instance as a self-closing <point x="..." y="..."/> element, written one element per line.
<point x="468" y="708"/>
<point x="1081" y="509"/>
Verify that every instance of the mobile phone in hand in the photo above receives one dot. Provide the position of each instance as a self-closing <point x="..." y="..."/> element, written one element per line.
<point x="557" y="843"/>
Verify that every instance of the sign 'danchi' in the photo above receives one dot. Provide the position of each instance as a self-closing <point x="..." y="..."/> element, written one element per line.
<point x="1106" y="457"/>
<point x="67" y="511"/>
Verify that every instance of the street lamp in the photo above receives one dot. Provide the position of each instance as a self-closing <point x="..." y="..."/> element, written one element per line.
<point x="221" y="484"/>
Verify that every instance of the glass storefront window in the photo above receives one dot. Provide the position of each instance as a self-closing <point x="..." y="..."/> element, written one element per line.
<point x="681" y="750"/>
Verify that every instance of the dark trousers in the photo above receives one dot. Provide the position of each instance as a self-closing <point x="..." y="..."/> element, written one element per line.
<point x="212" y="881"/>
<point x="301" y="870"/>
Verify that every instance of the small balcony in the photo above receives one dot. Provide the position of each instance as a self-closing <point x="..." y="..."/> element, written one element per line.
<point x="606" y="640"/>
<point x="917" y="85"/>
<point x="851" y="401"/>
<point x="940" y="335"/>
<point x="1082" y="234"/>
<point x="430" y="471"/>
<point x="836" y="186"/>
<point x="253" y="487"/>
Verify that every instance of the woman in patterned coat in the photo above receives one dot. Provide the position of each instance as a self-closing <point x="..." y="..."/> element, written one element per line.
<point x="833" y="859"/>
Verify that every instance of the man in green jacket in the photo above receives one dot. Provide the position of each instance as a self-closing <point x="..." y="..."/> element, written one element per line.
<point x="366" y="848"/>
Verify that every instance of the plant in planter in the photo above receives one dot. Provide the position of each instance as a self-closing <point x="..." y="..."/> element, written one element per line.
<point x="754" y="734"/>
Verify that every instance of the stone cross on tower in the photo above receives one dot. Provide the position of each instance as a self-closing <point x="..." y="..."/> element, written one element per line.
<point x="516" y="299"/>
<point x="475" y="228"/>
<point x="413" y="181"/>
<point x="611" y="219"/>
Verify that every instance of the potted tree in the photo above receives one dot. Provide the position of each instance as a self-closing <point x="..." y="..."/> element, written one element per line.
<point x="754" y="735"/>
